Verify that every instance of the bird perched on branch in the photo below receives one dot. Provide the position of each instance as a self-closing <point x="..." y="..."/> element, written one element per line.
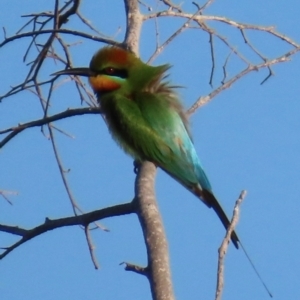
<point x="147" y="119"/>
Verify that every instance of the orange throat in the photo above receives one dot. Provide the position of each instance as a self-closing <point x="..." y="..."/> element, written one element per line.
<point x="101" y="83"/>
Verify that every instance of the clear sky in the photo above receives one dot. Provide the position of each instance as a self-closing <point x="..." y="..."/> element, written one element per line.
<point x="247" y="138"/>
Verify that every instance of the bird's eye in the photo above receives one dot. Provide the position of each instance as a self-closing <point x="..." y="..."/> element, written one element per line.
<point x="110" y="71"/>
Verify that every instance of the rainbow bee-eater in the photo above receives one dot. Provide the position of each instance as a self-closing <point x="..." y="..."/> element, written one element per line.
<point x="146" y="118"/>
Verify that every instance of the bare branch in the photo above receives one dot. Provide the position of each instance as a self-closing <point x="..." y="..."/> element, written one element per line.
<point x="172" y="5"/>
<point x="223" y="248"/>
<point x="84" y="220"/>
<point x="212" y="52"/>
<point x="66" y="114"/>
<point x="238" y="25"/>
<point x="62" y="172"/>
<point x="5" y="194"/>
<point x="206" y="5"/>
<point x="159" y="49"/>
<point x="64" y="31"/>
<point x="133" y="26"/>
<point x="91" y="246"/>
<point x="224" y="68"/>
<point x="154" y="236"/>
<point x="136" y="269"/>
<point x="204" y="100"/>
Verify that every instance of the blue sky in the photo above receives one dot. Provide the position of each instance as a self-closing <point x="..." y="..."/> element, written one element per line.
<point x="247" y="138"/>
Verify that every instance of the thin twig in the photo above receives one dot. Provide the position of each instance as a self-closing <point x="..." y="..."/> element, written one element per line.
<point x="5" y="194"/>
<point x="91" y="247"/>
<point x="224" y="246"/>
<point x="205" y="99"/>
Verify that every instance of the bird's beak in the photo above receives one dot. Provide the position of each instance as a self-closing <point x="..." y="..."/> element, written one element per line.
<point x="75" y="71"/>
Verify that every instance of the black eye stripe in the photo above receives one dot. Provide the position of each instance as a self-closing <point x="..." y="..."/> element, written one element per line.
<point x="110" y="71"/>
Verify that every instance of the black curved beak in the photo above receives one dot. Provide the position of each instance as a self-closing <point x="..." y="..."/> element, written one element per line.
<point x="75" y="71"/>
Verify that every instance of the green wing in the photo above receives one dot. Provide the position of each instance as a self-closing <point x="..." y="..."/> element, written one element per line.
<point x="151" y="127"/>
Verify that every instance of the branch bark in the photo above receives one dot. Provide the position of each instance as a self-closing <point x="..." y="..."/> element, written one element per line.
<point x="158" y="270"/>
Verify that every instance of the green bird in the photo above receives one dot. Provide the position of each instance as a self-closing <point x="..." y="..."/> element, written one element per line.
<point x="146" y="118"/>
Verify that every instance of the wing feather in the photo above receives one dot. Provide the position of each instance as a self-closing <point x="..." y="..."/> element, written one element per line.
<point x="165" y="116"/>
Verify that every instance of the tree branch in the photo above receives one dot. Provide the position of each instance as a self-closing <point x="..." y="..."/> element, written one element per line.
<point x="159" y="273"/>
<point x="205" y="99"/>
<point x="224" y="246"/>
<point x="84" y="220"/>
<point x="66" y="114"/>
<point x="64" y="31"/>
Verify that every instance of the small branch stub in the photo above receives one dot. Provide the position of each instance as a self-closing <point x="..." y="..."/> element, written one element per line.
<point x="134" y="268"/>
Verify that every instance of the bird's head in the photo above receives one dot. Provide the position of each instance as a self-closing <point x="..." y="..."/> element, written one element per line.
<point x="115" y="69"/>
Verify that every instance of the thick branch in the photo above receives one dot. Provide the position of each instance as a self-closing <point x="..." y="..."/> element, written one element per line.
<point x="159" y="273"/>
<point x="158" y="269"/>
<point x="134" y="24"/>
